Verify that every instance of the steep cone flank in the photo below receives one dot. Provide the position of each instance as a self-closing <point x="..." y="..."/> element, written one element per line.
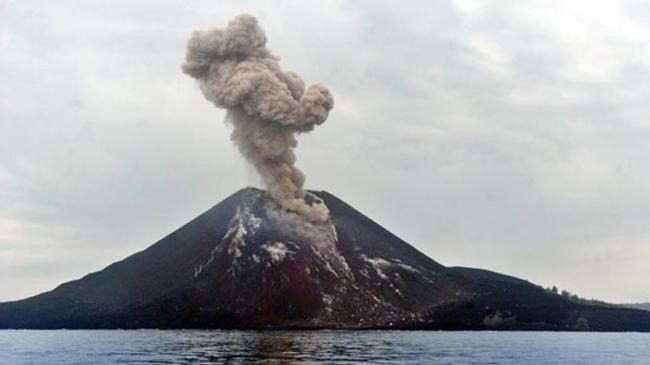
<point x="231" y="268"/>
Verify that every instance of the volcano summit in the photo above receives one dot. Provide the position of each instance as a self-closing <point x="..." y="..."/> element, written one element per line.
<point x="242" y="264"/>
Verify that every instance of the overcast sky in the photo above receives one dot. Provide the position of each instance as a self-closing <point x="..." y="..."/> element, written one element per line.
<point x="507" y="135"/>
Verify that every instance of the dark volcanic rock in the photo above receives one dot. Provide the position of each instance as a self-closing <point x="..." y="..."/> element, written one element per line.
<point x="239" y="266"/>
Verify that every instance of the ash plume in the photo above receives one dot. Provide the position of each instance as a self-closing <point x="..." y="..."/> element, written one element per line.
<point x="266" y="105"/>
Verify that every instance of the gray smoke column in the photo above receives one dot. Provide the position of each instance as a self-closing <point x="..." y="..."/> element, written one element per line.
<point x="266" y="105"/>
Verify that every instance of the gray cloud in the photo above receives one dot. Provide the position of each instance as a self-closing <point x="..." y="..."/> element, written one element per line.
<point x="487" y="134"/>
<point x="266" y="106"/>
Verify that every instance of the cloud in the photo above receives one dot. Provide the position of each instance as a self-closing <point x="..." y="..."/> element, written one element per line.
<point x="497" y="135"/>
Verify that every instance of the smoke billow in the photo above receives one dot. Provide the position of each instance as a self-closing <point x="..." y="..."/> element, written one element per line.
<point x="266" y="105"/>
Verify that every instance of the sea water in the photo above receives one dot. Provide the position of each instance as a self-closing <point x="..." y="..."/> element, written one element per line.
<point x="321" y="347"/>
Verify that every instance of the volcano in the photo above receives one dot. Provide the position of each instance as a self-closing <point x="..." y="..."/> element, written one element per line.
<point x="234" y="266"/>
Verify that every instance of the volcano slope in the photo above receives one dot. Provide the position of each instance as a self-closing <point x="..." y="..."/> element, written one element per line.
<point x="242" y="265"/>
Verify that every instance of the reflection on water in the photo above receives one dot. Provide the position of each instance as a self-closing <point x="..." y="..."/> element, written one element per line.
<point x="285" y="346"/>
<point x="320" y="347"/>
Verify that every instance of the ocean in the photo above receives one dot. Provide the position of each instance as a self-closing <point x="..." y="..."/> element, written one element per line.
<point x="320" y="347"/>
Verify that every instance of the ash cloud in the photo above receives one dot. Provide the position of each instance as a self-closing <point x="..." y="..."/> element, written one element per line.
<point x="266" y="106"/>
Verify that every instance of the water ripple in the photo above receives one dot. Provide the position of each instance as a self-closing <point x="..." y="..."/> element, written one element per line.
<point x="320" y="347"/>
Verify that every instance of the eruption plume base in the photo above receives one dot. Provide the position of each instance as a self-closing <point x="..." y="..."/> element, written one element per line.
<point x="269" y="148"/>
